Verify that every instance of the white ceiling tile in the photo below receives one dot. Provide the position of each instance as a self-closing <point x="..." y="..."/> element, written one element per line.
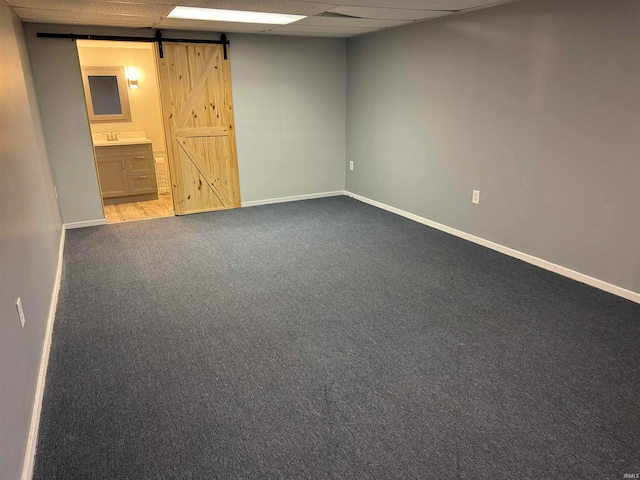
<point x="53" y="4"/>
<point x="416" y="4"/>
<point x="182" y="24"/>
<point x="292" y="7"/>
<point x="339" y="21"/>
<point x="83" y="7"/>
<point x="320" y="30"/>
<point x="346" y="18"/>
<point x="387" y="13"/>
<point x="311" y="34"/>
<point x="114" y="44"/>
<point x="40" y="15"/>
<point x="145" y="2"/>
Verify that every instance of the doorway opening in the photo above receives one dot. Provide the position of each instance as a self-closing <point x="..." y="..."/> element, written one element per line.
<point x="125" y="115"/>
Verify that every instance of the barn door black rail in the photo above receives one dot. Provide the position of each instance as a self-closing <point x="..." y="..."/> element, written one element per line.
<point x="158" y="39"/>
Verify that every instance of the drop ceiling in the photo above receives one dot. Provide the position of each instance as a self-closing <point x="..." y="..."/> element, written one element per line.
<point x="332" y="18"/>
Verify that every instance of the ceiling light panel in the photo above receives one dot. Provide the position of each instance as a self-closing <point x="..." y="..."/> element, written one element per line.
<point x="240" y="16"/>
<point x="294" y="7"/>
<point x="203" y="25"/>
<point x="388" y="13"/>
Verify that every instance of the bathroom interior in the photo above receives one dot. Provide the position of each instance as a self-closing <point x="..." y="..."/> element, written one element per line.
<point x="124" y="110"/>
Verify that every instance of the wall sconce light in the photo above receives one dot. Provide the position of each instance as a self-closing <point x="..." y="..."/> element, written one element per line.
<point x="132" y="78"/>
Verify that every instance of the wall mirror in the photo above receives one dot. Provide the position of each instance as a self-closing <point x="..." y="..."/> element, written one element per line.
<point x="105" y="90"/>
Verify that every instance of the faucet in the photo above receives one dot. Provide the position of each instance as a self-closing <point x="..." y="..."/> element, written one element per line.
<point x="112" y="137"/>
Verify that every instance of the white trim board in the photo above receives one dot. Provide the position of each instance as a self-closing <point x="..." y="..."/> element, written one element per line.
<point x="293" y="199"/>
<point x="525" y="257"/>
<point x="32" y="442"/>
<point x="87" y="223"/>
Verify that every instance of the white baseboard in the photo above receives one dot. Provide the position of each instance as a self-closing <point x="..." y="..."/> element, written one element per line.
<point x="538" y="262"/>
<point x="32" y="442"/>
<point x="292" y="199"/>
<point x="88" y="223"/>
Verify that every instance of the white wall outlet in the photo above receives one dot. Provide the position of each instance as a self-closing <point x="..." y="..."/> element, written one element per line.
<point x="475" y="198"/>
<point x="20" y="311"/>
<point x="350" y="165"/>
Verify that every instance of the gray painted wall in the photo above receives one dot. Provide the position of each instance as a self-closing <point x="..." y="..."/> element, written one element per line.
<point x="30" y="228"/>
<point x="56" y="70"/>
<point x="536" y="104"/>
<point x="289" y="98"/>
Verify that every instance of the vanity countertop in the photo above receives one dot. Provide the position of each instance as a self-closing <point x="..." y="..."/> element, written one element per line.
<point x="121" y="141"/>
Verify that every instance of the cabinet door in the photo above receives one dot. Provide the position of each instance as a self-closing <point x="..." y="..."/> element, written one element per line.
<point x="113" y="177"/>
<point x="140" y="184"/>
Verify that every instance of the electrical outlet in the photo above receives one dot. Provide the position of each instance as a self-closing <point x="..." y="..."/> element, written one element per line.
<point x="475" y="198"/>
<point x="350" y="165"/>
<point x="20" y="311"/>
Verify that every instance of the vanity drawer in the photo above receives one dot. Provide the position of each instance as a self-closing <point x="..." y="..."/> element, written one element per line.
<point x="139" y="164"/>
<point x="139" y="184"/>
<point x="117" y="150"/>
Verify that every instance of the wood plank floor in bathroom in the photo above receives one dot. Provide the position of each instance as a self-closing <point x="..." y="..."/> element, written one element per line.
<point x="124" y="212"/>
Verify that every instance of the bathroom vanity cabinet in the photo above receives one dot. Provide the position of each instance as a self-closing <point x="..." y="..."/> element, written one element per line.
<point x="127" y="171"/>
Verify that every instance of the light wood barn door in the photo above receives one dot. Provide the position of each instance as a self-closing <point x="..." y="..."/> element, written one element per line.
<point x="195" y="84"/>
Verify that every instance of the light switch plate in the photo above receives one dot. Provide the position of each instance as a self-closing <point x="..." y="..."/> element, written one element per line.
<point x="475" y="198"/>
<point x="20" y="311"/>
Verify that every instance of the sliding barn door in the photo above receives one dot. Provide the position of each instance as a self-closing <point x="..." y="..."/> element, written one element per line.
<point x="195" y="84"/>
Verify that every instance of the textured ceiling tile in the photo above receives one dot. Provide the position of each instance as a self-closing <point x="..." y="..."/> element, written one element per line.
<point x="179" y="23"/>
<point x="319" y="30"/>
<point x="312" y="34"/>
<point x="53" y="4"/>
<point x="41" y="15"/>
<point x="82" y="7"/>
<point x="292" y="7"/>
<point x="113" y="44"/>
<point x="418" y="4"/>
<point x="338" y="21"/>
<point x="348" y="17"/>
<point x="145" y="2"/>
<point x="387" y="13"/>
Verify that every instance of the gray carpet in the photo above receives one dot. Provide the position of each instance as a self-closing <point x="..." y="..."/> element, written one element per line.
<point x="328" y="339"/>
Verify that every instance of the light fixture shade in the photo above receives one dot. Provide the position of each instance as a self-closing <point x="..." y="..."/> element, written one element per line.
<point x="213" y="14"/>
<point x="132" y="78"/>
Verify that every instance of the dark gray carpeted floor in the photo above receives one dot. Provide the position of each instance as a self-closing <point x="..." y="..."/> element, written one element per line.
<point x="328" y="339"/>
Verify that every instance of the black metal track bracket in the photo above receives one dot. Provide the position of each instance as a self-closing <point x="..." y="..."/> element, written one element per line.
<point x="158" y="38"/>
